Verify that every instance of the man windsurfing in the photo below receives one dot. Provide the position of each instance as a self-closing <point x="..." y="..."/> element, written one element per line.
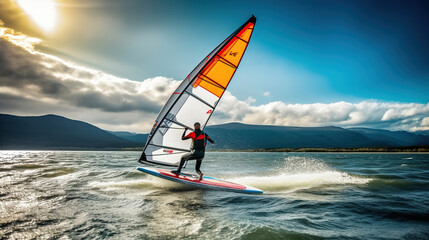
<point x="198" y="148"/>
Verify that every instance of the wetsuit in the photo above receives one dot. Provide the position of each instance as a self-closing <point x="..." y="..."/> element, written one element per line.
<point x="199" y="140"/>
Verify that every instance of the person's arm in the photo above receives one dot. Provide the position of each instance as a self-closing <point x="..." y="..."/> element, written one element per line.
<point x="210" y="140"/>
<point x="186" y="137"/>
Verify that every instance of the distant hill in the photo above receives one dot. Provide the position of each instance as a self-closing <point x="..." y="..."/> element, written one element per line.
<point x="393" y="138"/>
<point x="135" y="137"/>
<point x="424" y="132"/>
<point x="54" y="132"/>
<point x="237" y="135"/>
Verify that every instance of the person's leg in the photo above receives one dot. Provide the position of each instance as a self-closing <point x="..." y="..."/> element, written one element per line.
<point x="184" y="158"/>
<point x="182" y="162"/>
<point x="197" y="168"/>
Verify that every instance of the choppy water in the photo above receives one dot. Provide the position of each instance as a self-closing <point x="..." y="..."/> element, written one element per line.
<point x="98" y="195"/>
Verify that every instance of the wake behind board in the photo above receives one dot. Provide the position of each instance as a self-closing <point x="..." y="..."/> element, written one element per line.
<point x="206" y="182"/>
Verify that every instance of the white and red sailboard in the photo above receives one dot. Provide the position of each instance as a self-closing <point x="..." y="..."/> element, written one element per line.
<point x="195" y="99"/>
<point x="207" y="182"/>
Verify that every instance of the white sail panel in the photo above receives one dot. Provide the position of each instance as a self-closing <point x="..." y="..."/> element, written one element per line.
<point x="193" y="111"/>
<point x="168" y="137"/>
<point x="163" y="156"/>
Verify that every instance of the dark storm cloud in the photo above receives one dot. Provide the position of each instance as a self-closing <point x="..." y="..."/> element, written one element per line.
<point x="9" y="102"/>
<point x="39" y="76"/>
<point x="114" y="102"/>
<point x="13" y="104"/>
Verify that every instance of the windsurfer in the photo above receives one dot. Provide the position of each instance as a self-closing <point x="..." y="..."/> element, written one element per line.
<point x="199" y="140"/>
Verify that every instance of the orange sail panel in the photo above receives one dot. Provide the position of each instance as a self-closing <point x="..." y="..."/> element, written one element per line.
<point x="217" y="74"/>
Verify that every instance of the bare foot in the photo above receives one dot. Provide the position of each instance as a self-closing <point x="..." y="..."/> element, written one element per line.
<point x="201" y="177"/>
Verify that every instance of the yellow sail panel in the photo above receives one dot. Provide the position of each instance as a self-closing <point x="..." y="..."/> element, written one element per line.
<point x="219" y="71"/>
<point x="233" y="51"/>
<point x="246" y="32"/>
<point x="217" y="74"/>
<point x="211" y="86"/>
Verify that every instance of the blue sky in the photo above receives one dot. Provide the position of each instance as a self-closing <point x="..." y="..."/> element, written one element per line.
<point x="301" y="52"/>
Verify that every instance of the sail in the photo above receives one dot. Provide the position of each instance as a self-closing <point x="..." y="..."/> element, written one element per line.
<point x="195" y="99"/>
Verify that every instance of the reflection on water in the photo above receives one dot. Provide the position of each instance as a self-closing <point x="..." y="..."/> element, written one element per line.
<point x="54" y="194"/>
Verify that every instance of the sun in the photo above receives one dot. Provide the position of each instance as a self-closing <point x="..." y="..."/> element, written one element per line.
<point x="42" y="12"/>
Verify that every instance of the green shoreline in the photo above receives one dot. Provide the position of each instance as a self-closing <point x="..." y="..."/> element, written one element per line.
<point x="410" y="149"/>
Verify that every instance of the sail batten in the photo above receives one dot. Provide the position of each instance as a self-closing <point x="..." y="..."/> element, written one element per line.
<point x="242" y="40"/>
<point x="209" y="81"/>
<point x="232" y="65"/>
<point x="168" y="147"/>
<point x="201" y="100"/>
<point x="178" y="123"/>
<point x="196" y="99"/>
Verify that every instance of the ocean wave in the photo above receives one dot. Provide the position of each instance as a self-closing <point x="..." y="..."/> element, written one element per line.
<point x="56" y="172"/>
<point x="301" y="173"/>
<point x="381" y="182"/>
<point x="271" y="233"/>
<point x="28" y="166"/>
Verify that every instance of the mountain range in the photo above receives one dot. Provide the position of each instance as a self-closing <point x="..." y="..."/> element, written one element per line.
<point x="245" y="136"/>
<point x="57" y="132"/>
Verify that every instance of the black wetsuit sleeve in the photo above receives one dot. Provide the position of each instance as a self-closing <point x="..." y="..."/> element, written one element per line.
<point x="183" y="136"/>
<point x="209" y="139"/>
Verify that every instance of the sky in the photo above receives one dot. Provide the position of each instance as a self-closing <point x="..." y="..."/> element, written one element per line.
<point x="309" y="63"/>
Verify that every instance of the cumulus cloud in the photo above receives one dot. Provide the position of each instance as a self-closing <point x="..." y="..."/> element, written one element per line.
<point x="266" y="94"/>
<point x="250" y="100"/>
<point x="366" y="113"/>
<point x="421" y="125"/>
<point x="35" y="83"/>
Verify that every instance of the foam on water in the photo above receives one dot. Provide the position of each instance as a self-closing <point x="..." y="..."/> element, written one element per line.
<point x="139" y="184"/>
<point x="301" y="173"/>
<point x="121" y="184"/>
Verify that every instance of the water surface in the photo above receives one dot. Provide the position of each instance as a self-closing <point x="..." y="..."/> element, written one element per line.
<point x="98" y="195"/>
